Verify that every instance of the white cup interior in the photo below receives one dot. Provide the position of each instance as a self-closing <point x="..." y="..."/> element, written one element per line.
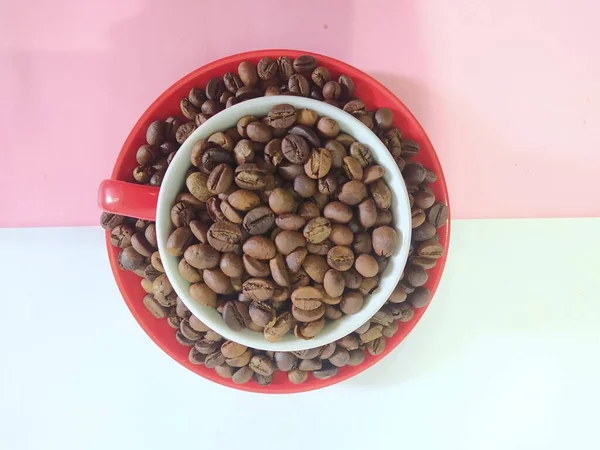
<point x="174" y="181"/>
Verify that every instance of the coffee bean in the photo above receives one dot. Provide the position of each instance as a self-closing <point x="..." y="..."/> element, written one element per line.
<point x="305" y="64"/>
<point x="109" y="221"/>
<point x="288" y="241"/>
<point x="353" y="192"/>
<point x="315" y="266"/>
<point x="423" y="232"/>
<point x="224" y="237"/>
<point x="309" y="330"/>
<point x="282" y="325"/>
<point x="285" y="361"/>
<point x="420" y="297"/>
<point x="282" y="116"/>
<point x="130" y="259"/>
<point x="298" y="84"/>
<point x="295" y="149"/>
<point x="320" y="76"/>
<point x="308" y="365"/>
<point x="235" y="315"/>
<point x="438" y="215"/>
<point x="242" y="375"/>
<point x="340" y="258"/>
<point x="318" y="164"/>
<point x="250" y="177"/>
<point x="262" y="365"/>
<point x="267" y="68"/>
<point x="352" y="302"/>
<point x="261" y="313"/>
<point x="297" y="376"/>
<point x="258" y="289"/>
<point x="232" y="82"/>
<point x="414" y="174"/>
<point x="259" y="220"/>
<point x="220" y="179"/>
<point x="279" y="271"/>
<point x="120" y="236"/>
<point x="317" y="230"/>
<point x="310" y="315"/>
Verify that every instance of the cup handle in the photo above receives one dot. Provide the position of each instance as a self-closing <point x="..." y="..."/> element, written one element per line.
<point x="128" y="199"/>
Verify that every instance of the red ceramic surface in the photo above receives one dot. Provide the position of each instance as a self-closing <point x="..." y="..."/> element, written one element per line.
<point x="373" y="93"/>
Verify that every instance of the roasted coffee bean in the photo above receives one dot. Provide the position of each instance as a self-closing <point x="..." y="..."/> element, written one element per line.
<point x="259" y="220"/>
<point x="307" y="133"/>
<point x="220" y="179"/>
<point x="297" y="376"/>
<point x="203" y="295"/>
<point x="437" y="215"/>
<point x="385" y="241"/>
<point x="242" y="375"/>
<point x="235" y="315"/>
<point x="298" y="84"/>
<point x="285" y="361"/>
<point x="258" y="289"/>
<point x="109" y="221"/>
<point x="182" y="214"/>
<point x="381" y="194"/>
<point x="318" y="164"/>
<point x="282" y="325"/>
<point x="423" y="232"/>
<point x="281" y="116"/>
<point x="250" y="177"/>
<point x="352" y="302"/>
<point x="262" y="365"/>
<point x="261" y="313"/>
<point x="130" y="259"/>
<point x="295" y="149"/>
<point x="305" y="64"/>
<point x="120" y="236"/>
<point x="420" y="297"/>
<point x="353" y="192"/>
<point x="340" y="258"/>
<point x="224" y="237"/>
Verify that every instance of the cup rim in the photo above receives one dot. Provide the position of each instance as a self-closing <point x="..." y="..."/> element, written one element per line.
<point x="174" y="179"/>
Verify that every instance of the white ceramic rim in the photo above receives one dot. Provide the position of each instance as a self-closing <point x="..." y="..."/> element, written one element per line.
<point x="173" y="182"/>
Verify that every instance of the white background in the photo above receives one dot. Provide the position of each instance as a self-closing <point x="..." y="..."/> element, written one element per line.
<point x="506" y="357"/>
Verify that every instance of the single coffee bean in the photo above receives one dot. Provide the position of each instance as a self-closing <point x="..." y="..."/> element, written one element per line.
<point x="318" y="164"/>
<point x="340" y="258"/>
<point x="130" y="259"/>
<point x="295" y="149"/>
<point x="212" y="157"/>
<point x="372" y="173"/>
<point x="315" y="266"/>
<point x="415" y="275"/>
<point x="437" y="215"/>
<point x="332" y="312"/>
<point x="267" y="68"/>
<point x="282" y="325"/>
<point x="367" y="213"/>
<point x="298" y="84"/>
<point x="308" y="365"/>
<point x="373" y="333"/>
<point x="259" y="132"/>
<point x="262" y="365"/>
<point x="414" y="174"/>
<point x="248" y="92"/>
<point x="353" y="192"/>
<point x="201" y="256"/>
<point x="317" y="230"/>
<point x="220" y="179"/>
<point x="287" y="241"/>
<point x="381" y="194"/>
<point x="341" y="235"/>
<point x="332" y="90"/>
<point x="250" y="177"/>
<point x="340" y="357"/>
<point x="217" y="281"/>
<point x="203" y="295"/>
<point x="155" y="308"/>
<point x="423" y="232"/>
<point x="214" y="88"/>
<point x="420" y="297"/>
<point x="214" y="359"/>
<point x="279" y="271"/>
<point x="235" y="315"/>
<point x="224" y="237"/>
<point x="297" y="376"/>
<point x="285" y="361"/>
<point x="290" y="221"/>
<point x="261" y="313"/>
<point x="352" y="302"/>
<point x="259" y="247"/>
<point x="310" y="315"/>
<point x="109" y="221"/>
<point x="282" y="116"/>
<point x="242" y="375"/>
<point x="182" y="214"/>
<point x="384" y="118"/>
<point x="424" y="199"/>
<point x="385" y="241"/>
<point x="334" y="283"/>
<point x="259" y="220"/>
<point x="320" y="76"/>
<point x="247" y="73"/>
<point x="244" y="200"/>
<point x="366" y="265"/>
<point x="258" y="289"/>
<point x="305" y="64"/>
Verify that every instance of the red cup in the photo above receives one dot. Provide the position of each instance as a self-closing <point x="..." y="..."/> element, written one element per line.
<point x="121" y="196"/>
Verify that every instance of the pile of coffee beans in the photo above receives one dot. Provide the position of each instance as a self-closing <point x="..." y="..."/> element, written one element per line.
<point x="137" y="238"/>
<point x="276" y="239"/>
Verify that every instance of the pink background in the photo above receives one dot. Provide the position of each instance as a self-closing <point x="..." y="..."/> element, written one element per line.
<point x="509" y="92"/>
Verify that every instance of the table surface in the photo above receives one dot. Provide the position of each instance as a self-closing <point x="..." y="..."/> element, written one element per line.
<point x="505" y="358"/>
<point x="507" y="91"/>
